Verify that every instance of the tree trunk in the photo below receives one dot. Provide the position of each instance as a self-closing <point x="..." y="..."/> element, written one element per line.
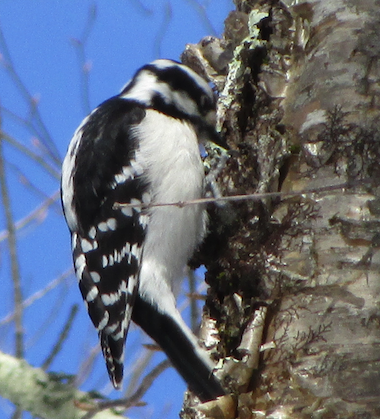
<point x="300" y="107"/>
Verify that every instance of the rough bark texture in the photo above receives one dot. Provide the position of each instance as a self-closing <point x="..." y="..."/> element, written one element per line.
<point x="300" y="105"/>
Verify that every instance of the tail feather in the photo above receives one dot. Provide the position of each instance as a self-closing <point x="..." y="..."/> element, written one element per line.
<point x="113" y="353"/>
<point x="112" y="341"/>
<point x="181" y="347"/>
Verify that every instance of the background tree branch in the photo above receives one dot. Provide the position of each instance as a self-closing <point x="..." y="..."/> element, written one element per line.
<point x="44" y="395"/>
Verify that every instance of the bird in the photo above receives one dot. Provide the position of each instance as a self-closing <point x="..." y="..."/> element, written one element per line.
<point x="135" y="151"/>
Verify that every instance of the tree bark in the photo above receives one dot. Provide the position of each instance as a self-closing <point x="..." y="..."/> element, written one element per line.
<point x="300" y="107"/>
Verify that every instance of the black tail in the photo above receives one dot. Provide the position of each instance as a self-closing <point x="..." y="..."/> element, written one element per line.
<point x="191" y="362"/>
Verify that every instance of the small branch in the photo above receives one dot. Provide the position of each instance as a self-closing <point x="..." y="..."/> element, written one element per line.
<point x="137" y="372"/>
<point x="86" y="367"/>
<point x="168" y="15"/>
<point x="51" y="313"/>
<point x="12" y="244"/>
<point x="38" y="295"/>
<point x="62" y="337"/>
<point x="33" y="156"/>
<point x="197" y="295"/>
<point x="80" y="47"/>
<point x="203" y="16"/>
<point x="9" y="67"/>
<point x="36" y="214"/>
<point x="136" y="397"/>
<point x="17" y="414"/>
<point x="253" y="197"/>
<point x="142" y="8"/>
<point x="194" y="318"/>
<point x="24" y="180"/>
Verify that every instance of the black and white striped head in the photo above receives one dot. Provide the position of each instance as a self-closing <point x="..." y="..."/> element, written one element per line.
<point x="174" y="89"/>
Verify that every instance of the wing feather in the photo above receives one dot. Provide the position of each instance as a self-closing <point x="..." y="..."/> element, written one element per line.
<point x="107" y="238"/>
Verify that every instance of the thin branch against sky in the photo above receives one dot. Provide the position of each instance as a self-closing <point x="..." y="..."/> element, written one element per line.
<point x="204" y="16"/>
<point x="39" y="294"/>
<point x="167" y="17"/>
<point x="14" y="257"/>
<point x="40" y="126"/>
<point x="39" y="159"/>
<point x="80" y="45"/>
<point x="61" y="338"/>
<point x="326" y="190"/>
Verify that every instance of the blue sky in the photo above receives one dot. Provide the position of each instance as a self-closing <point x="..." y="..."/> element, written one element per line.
<point x="42" y="38"/>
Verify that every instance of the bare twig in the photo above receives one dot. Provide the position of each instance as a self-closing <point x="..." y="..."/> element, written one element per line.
<point x="138" y="369"/>
<point x="254" y="196"/>
<point x="86" y="367"/>
<point x="15" y="269"/>
<point x="27" y="183"/>
<point x="17" y="414"/>
<point x="38" y="295"/>
<point x="194" y="320"/>
<point x="33" y="156"/>
<point x="62" y="337"/>
<point x="53" y="152"/>
<point x="168" y="15"/>
<point x="136" y="397"/>
<point x="36" y="214"/>
<point x="85" y="66"/>
<point x="51" y="313"/>
<point x="142" y="7"/>
<point x="196" y="296"/>
<point x="203" y="16"/>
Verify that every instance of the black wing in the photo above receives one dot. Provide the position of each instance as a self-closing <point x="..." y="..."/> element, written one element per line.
<point x="107" y="240"/>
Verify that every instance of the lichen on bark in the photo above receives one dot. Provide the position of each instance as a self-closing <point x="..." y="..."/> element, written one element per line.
<point x="300" y="108"/>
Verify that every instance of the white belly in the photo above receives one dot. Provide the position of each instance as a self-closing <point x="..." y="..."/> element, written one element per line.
<point x="173" y="233"/>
